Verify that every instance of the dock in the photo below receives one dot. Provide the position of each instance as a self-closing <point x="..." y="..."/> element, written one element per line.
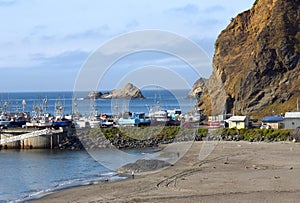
<point x="22" y="138"/>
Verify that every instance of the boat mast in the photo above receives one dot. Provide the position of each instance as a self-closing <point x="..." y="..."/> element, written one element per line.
<point x="45" y="103"/>
<point x="5" y="105"/>
<point x="75" y="111"/>
<point x="58" y="108"/>
<point x="93" y="110"/>
<point x="23" y="105"/>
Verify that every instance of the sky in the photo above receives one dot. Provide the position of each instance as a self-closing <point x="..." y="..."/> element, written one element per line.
<point x="45" y="43"/>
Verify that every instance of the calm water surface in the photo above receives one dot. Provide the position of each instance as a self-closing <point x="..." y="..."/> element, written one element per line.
<point x="27" y="174"/>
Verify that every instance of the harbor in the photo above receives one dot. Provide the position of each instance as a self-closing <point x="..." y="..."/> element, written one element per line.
<point x="47" y="120"/>
<point x="70" y="123"/>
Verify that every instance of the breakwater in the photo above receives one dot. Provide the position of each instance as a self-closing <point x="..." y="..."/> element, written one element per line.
<point x="97" y="138"/>
<point x="135" y="138"/>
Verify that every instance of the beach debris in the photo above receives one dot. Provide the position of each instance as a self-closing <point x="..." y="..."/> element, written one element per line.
<point x="226" y="162"/>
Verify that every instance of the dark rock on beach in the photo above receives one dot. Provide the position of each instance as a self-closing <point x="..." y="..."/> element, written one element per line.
<point x="144" y="165"/>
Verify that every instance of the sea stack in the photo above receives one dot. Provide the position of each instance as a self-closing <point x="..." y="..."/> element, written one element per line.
<point x="128" y="92"/>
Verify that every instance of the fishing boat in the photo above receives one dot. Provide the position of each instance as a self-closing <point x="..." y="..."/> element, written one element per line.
<point x="135" y="119"/>
<point x="40" y="118"/>
<point x="3" y="120"/>
<point x="94" y="118"/>
<point x="62" y="123"/>
<point x="42" y="121"/>
<point x="106" y="123"/>
<point x="19" y="119"/>
<point x="61" y="120"/>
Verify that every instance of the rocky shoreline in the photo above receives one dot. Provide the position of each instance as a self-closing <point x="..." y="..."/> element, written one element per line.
<point x="123" y="138"/>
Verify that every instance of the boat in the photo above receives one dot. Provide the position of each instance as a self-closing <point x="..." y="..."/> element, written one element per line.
<point x="19" y="119"/>
<point x="135" y="119"/>
<point x="94" y="121"/>
<point x="106" y="123"/>
<point x="43" y="121"/>
<point x="142" y="120"/>
<point x="126" y="119"/>
<point x="166" y="117"/>
<point x="40" y="118"/>
<point x="61" y="123"/>
<point x="94" y="118"/>
<point x="4" y="121"/>
<point x="60" y="119"/>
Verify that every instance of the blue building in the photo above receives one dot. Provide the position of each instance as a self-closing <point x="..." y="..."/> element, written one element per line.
<point x="274" y="122"/>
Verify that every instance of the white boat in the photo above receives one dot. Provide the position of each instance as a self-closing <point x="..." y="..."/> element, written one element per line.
<point x="43" y="121"/>
<point x="40" y="119"/>
<point x="106" y="123"/>
<point x="81" y="123"/>
<point x="3" y="120"/>
<point x="159" y="116"/>
<point x="94" y="121"/>
<point x="94" y="118"/>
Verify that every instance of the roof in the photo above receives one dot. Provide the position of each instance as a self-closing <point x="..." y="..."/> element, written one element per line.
<point x="272" y="119"/>
<point x="237" y="118"/>
<point x="292" y="115"/>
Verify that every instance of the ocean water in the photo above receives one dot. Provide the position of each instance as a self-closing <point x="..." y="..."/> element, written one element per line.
<point x="164" y="98"/>
<point x="29" y="174"/>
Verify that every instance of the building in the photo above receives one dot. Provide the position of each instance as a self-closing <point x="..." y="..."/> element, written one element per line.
<point x="291" y="120"/>
<point x="274" y="122"/>
<point x="218" y="121"/>
<point x="238" y="122"/>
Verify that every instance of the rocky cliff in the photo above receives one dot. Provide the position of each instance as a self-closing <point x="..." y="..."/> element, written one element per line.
<point x="128" y="92"/>
<point x="198" y="88"/>
<point x="256" y="61"/>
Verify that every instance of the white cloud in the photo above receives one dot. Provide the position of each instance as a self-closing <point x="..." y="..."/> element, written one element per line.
<point x="51" y="32"/>
<point x="188" y="9"/>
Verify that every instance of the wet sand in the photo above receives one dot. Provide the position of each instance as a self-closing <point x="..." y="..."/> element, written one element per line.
<point x="233" y="172"/>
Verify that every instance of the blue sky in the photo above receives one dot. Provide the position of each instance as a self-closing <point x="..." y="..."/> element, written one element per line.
<point x="44" y="43"/>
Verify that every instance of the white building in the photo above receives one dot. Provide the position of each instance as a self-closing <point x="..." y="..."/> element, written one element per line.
<point x="238" y="122"/>
<point x="291" y="120"/>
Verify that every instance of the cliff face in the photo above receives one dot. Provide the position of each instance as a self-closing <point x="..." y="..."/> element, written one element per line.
<point x="198" y="88"/>
<point x="256" y="61"/>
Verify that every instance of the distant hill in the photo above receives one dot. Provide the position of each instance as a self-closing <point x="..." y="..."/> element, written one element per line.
<point x="257" y="61"/>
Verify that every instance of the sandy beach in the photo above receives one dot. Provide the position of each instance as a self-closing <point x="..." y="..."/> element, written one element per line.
<point x="233" y="172"/>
